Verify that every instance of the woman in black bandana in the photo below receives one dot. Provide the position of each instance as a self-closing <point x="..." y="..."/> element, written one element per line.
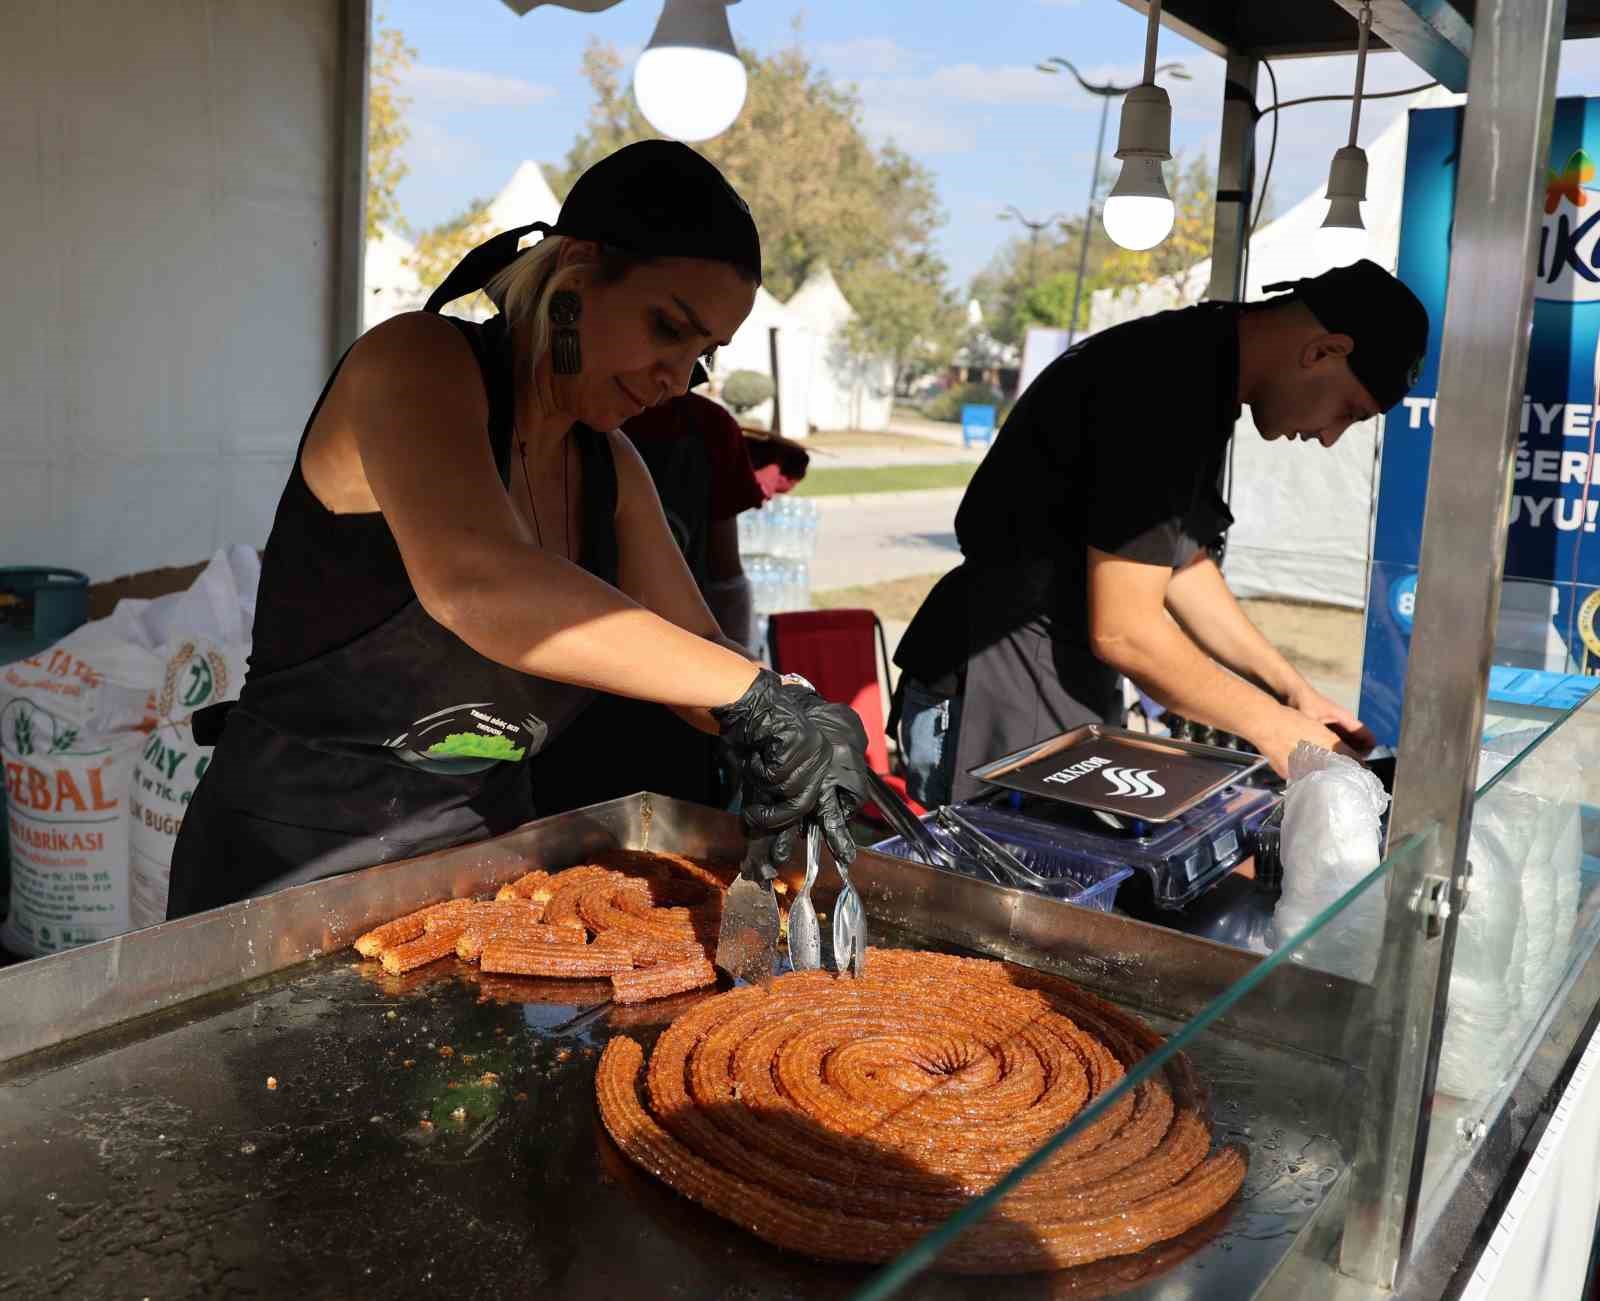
<point x="467" y="550"/>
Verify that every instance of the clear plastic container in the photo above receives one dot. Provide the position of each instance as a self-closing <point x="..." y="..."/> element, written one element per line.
<point x="1182" y="858"/>
<point x="1078" y="879"/>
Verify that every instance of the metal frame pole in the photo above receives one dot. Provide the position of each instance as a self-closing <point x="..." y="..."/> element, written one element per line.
<point x="1236" y="179"/>
<point x="355" y="70"/>
<point x="1504" y="146"/>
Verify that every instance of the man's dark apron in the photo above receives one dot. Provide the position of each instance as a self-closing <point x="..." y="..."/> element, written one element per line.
<point x="400" y="742"/>
<point x="1024" y="682"/>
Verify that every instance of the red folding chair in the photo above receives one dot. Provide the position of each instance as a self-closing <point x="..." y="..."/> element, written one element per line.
<point x="837" y="652"/>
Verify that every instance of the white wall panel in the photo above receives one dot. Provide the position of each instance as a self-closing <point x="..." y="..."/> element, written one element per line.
<point x="170" y="215"/>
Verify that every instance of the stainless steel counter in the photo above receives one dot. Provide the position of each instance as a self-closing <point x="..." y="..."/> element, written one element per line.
<point x="146" y="1153"/>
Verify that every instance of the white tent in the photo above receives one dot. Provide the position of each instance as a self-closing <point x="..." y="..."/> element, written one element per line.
<point x="845" y="391"/>
<point x="751" y="349"/>
<point x="526" y="197"/>
<point x="1304" y="515"/>
<point x="391" y="285"/>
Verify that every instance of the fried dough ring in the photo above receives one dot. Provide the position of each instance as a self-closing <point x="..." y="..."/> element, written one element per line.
<point x="846" y="1118"/>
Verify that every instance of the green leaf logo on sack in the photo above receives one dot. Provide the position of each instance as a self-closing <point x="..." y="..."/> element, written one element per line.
<point x="195" y="677"/>
<point x="22" y="730"/>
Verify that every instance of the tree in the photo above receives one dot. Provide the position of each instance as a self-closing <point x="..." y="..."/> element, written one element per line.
<point x="820" y="192"/>
<point x="440" y="247"/>
<point x="1050" y="302"/>
<point x="387" y="132"/>
<point x="745" y="390"/>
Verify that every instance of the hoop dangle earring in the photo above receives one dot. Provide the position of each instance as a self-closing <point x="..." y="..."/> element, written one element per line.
<point x="566" y="354"/>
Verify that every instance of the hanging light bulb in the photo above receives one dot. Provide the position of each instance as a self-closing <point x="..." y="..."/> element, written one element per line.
<point x="690" y="81"/>
<point x="1138" y="213"/>
<point x="1343" y="236"/>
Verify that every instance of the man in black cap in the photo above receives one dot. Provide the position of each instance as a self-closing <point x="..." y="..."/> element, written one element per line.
<point x="1088" y="531"/>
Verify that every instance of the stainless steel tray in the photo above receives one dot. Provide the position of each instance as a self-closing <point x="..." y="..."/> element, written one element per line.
<point x="146" y="1155"/>
<point x="1121" y="772"/>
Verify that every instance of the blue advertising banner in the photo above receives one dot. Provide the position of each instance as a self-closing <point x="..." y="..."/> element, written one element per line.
<point x="1552" y="573"/>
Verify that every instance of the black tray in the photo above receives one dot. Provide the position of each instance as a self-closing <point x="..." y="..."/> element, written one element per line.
<point x="1128" y="774"/>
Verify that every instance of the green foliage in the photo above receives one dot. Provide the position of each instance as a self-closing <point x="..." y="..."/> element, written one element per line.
<point x="387" y="132"/>
<point x="440" y="247"/>
<point x="947" y="405"/>
<point x="821" y="194"/>
<point x="1033" y="284"/>
<point x="745" y="389"/>
<point x="1050" y="302"/>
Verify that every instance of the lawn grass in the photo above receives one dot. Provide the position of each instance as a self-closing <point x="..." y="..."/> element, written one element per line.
<point x="823" y="482"/>
<point x="874" y="440"/>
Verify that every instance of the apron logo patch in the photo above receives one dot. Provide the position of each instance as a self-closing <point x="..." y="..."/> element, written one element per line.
<point x="468" y="737"/>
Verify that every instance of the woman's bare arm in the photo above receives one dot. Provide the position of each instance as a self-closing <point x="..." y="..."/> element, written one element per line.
<point x="411" y="399"/>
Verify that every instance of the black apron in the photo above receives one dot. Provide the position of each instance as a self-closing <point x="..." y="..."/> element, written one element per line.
<point x="1024" y="682"/>
<point x="400" y="742"/>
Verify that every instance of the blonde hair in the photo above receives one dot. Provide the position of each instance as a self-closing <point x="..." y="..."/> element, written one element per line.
<point x="524" y="289"/>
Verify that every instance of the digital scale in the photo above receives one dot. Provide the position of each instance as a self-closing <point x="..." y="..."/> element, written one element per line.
<point x="1093" y="806"/>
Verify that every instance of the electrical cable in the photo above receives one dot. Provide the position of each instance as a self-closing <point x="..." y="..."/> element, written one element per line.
<point x="1272" y="153"/>
<point x="1366" y="96"/>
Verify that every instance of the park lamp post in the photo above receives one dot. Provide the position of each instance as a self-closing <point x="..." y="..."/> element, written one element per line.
<point x="1011" y="213"/>
<point x="1107" y="92"/>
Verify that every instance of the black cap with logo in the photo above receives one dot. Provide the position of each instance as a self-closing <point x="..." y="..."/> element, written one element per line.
<point x="1384" y="319"/>
<point x="655" y="198"/>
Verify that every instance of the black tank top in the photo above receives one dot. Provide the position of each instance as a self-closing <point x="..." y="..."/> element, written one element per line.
<point x="328" y="578"/>
<point x="366" y="731"/>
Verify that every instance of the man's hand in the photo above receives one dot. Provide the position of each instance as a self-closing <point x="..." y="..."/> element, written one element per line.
<point x="1285" y="729"/>
<point x="1355" y="734"/>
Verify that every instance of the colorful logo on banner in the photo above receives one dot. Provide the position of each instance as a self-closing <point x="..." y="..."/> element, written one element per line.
<point x="1551" y="596"/>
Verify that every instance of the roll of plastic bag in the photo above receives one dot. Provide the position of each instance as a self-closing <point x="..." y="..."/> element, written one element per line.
<point x="1331" y="840"/>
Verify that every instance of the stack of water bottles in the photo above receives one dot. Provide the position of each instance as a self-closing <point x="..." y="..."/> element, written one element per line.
<point x="776" y="544"/>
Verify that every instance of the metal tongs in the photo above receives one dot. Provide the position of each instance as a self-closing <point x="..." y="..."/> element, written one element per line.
<point x="849" y="919"/>
<point x="805" y="935"/>
<point x="990" y="853"/>
<point x="908" y="826"/>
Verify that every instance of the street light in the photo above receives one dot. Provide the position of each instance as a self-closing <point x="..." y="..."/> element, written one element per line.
<point x="1010" y="213"/>
<point x="1107" y="92"/>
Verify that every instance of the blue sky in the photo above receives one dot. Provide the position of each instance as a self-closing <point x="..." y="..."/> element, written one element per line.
<point x="951" y="81"/>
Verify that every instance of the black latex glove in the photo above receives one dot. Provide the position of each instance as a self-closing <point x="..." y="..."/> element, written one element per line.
<point x="797" y="756"/>
<point x="845" y="783"/>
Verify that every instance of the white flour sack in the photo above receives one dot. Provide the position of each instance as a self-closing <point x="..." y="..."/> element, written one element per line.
<point x="71" y="721"/>
<point x="99" y="757"/>
<point x="205" y="641"/>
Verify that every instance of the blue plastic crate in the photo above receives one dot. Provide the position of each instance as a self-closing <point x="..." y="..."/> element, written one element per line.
<point x="1078" y="880"/>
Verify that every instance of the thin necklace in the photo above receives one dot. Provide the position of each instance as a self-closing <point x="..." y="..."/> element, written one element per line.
<point x="527" y="482"/>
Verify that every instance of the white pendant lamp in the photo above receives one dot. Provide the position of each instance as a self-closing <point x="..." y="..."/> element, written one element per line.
<point x="1343" y="236"/>
<point x="1138" y="213"/>
<point x="690" y="82"/>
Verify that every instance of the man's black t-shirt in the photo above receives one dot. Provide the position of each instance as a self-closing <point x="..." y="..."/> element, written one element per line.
<point x="1119" y="445"/>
